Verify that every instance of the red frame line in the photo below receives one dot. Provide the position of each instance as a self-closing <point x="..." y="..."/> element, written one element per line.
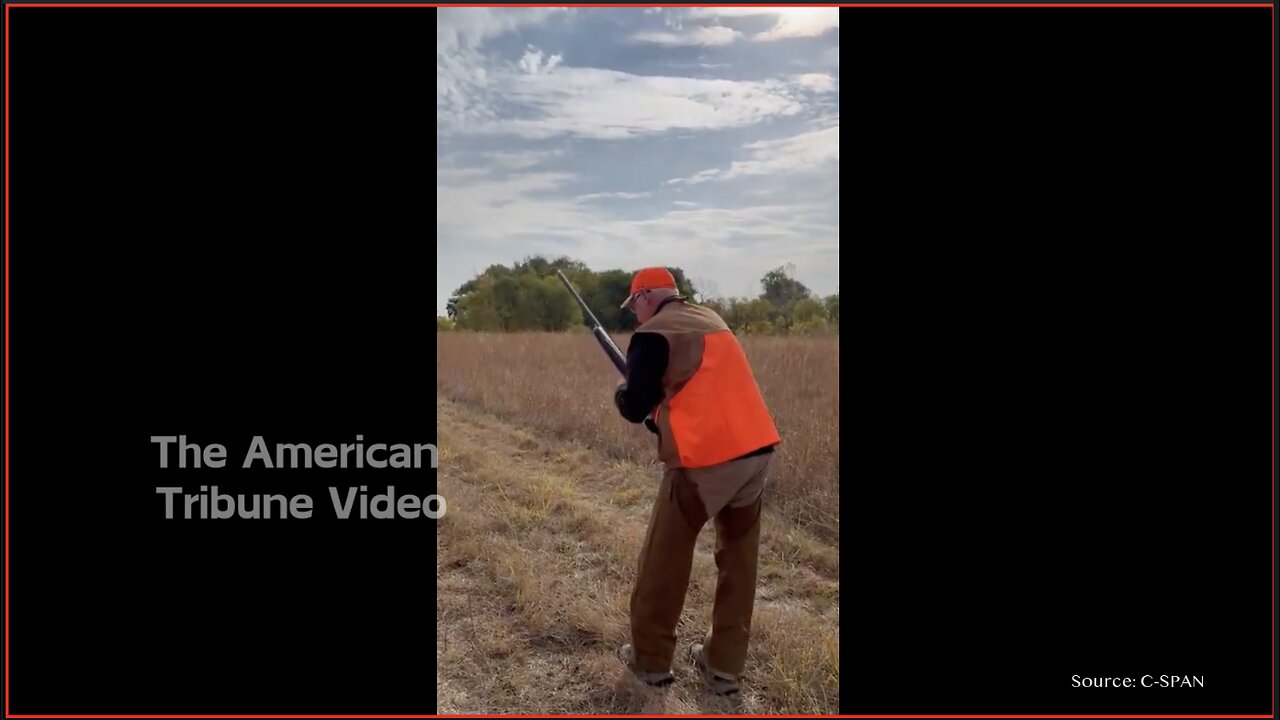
<point x="877" y="5"/>
<point x="435" y="5"/>
<point x="615" y="5"/>
<point x="632" y="716"/>
<point x="6" y="359"/>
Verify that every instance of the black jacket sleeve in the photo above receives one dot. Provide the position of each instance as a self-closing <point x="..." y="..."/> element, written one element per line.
<point x="646" y="364"/>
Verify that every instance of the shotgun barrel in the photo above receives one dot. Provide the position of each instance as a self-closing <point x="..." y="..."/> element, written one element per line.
<point x="606" y="343"/>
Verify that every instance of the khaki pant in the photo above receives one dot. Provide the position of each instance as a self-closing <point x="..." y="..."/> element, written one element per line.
<point x="730" y="493"/>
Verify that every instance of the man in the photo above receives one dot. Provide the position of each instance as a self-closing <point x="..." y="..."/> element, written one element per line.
<point x="689" y="382"/>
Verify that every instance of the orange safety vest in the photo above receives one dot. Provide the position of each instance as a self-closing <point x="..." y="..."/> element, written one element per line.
<point x="711" y="410"/>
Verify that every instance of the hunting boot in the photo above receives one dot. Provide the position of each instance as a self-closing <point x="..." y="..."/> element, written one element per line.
<point x="627" y="655"/>
<point x="721" y="683"/>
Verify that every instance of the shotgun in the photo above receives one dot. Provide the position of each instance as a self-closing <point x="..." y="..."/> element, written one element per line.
<point x="606" y="343"/>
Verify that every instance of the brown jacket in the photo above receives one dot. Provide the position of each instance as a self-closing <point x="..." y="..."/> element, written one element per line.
<point x="687" y="368"/>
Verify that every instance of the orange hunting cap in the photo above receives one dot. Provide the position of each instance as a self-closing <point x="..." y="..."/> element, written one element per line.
<point x="648" y="279"/>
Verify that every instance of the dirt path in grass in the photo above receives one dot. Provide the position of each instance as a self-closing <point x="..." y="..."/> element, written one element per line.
<point x="535" y="561"/>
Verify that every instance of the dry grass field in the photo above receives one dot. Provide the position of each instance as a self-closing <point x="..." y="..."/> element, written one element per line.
<point x="548" y="493"/>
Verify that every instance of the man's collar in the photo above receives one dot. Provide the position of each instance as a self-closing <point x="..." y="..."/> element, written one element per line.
<point x="673" y="298"/>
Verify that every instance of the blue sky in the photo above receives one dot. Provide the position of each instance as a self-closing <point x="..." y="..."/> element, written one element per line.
<point x="705" y="138"/>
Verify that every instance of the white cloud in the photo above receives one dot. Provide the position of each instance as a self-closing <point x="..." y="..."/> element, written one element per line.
<point x="464" y="90"/>
<point x="504" y="110"/>
<point x="469" y="27"/>
<point x="701" y="36"/>
<point x="732" y="247"/>
<point x="724" y="225"/>
<point x="817" y="151"/>
<point x="791" y="22"/>
<point x="532" y="63"/>
<point x="817" y="82"/>
<point x="541" y="97"/>
<point x="606" y="104"/>
<point x="488" y="220"/>
<point x="477" y="209"/>
<point x="733" y="12"/>
<point x="518" y="160"/>
<point x="800" y="23"/>
<point x="614" y="195"/>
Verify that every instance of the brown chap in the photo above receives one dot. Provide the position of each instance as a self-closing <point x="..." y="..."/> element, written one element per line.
<point x="666" y="559"/>
<point x="737" y="547"/>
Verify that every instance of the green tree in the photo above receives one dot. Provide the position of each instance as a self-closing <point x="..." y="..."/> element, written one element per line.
<point x="476" y="311"/>
<point x="528" y="296"/>
<point x="604" y="292"/>
<point x="808" y="316"/>
<point x="508" y="294"/>
<point x="683" y="284"/>
<point x="807" y="310"/>
<point x="556" y="309"/>
<point x="719" y="306"/>
<point x="744" y="315"/>
<point x="780" y="288"/>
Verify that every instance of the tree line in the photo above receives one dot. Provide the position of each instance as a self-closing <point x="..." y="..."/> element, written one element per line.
<point x="527" y="296"/>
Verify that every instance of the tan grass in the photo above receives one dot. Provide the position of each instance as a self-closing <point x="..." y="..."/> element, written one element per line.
<point x="561" y="386"/>
<point x="535" y="562"/>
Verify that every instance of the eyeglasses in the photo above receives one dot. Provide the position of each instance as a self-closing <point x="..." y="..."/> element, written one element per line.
<point x="631" y="301"/>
